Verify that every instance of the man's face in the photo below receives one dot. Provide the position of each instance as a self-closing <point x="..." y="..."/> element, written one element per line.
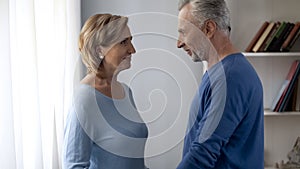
<point x="191" y="38"/>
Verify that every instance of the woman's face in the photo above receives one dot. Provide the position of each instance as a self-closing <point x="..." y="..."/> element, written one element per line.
<point x="118" y="57"/>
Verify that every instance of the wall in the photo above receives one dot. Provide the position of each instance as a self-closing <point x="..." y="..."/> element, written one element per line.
<point x="163" y="78"/>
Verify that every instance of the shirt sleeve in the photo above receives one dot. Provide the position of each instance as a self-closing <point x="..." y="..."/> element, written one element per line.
<point x="77" y="144"/>
<point x="220" y="118"/>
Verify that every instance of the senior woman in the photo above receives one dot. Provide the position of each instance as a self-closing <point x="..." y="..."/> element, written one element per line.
<point x="103" y="128"/>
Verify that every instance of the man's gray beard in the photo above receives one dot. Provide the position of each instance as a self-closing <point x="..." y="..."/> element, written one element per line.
<point x="197" y="57"/>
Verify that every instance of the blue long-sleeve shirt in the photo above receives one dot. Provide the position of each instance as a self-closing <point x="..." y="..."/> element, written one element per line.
<point x="226" y="127"/>
<point x="103" y="133"/>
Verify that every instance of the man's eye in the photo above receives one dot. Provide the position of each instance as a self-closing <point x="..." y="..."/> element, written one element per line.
<point x="181" y="32"/>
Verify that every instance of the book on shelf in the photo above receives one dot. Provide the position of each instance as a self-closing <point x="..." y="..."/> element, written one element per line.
<point x="263" y="37"/>
<point x="256" y="37"/>
<point x="282" y="36"/>
<point x="295" y="44"/>
<point x="282" y="99"/>
<point x="276" y="37"/>
<point x="288" y="99"/>
<point x="295" y="97"/>
<point x="269" y="37"/>
<point x="293" y="33"/>
<point x="291" y="100"/>
<point x="297" y="106"/>
<point x="284" y="85"/>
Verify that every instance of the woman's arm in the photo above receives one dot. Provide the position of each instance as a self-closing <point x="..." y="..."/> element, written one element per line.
<point x="77" y="144"/>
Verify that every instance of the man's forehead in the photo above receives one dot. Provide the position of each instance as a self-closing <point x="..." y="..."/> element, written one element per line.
<point x="185" y="16"/>
<point x="186" y="23"/>
<point x="185" y="11"/>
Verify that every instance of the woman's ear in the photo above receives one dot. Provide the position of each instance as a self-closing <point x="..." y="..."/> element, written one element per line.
<point x="98" y="50"/>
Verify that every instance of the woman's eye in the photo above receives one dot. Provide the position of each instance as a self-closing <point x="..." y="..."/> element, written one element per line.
<point x="124" y="42"/>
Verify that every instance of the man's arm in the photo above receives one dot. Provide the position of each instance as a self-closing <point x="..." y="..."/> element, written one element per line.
<point x="219" y="121"/>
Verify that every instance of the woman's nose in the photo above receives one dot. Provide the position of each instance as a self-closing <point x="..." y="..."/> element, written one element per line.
<point x="131" y="49"/>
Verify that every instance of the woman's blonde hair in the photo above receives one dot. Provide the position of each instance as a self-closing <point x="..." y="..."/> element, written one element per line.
<point x="100" y="30"/>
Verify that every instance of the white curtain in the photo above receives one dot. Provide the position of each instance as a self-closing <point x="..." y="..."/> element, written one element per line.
<point x="38" y="61"/>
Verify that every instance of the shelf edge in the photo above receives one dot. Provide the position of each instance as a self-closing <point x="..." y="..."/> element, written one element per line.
<point x="272" y="54"/>
<point x="290" y="113"/>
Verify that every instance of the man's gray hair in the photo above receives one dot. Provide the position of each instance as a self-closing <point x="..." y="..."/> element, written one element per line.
<point x="215" y="10"/>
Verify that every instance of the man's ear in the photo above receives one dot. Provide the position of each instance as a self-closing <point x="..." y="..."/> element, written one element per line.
<point x="210" y="28"/>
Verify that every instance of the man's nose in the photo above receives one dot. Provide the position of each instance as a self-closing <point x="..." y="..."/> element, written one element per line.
<point x="180" y="44"/>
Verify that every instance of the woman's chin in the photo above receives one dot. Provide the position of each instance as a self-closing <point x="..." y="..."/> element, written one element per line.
<point x="123" y="67"/>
